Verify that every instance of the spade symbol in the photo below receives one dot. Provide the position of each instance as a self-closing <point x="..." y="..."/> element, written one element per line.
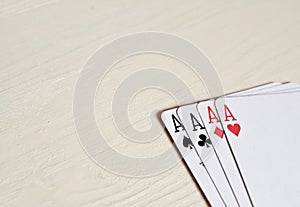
<point x="187" y="142"/>
<point x="202" y="141"/>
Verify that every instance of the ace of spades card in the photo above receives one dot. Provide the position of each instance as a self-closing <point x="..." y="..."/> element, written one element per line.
<point x="191" y="157"/>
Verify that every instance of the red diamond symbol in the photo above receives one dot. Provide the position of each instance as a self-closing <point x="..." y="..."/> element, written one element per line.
<point x="219" y="132"/>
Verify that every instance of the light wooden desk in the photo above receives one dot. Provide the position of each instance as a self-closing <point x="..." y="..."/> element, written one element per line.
<point x="45" y="43"/>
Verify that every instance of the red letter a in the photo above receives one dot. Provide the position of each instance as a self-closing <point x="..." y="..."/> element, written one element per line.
<point x="228" y="114"/>
<point x="212" y="116"/>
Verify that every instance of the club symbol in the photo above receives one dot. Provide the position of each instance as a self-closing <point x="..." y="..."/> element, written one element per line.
<point x="187" y="142"/>
<point x="204" y="141"/>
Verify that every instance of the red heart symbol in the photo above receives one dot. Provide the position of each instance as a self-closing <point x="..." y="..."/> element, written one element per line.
<point x="235" y="129"/>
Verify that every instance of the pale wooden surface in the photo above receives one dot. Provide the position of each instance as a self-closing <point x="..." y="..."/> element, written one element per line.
<point x="45" y="43"/>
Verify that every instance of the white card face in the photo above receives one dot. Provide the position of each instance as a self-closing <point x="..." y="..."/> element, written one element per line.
<point x="263" y="133"/>
<point x="191" y="158"/>
<point x="215" y="133"/>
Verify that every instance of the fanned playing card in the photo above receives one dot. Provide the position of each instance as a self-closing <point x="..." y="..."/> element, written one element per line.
<point x="191" y="157"/>
<point x="262" y="133"/>
<point x="200" y="138"/>
<point x="216" y="133"/>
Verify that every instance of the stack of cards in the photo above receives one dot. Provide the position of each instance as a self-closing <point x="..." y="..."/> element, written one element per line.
<point x="243" y="148"/>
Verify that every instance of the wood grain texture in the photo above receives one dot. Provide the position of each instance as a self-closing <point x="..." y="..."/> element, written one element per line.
<point x="45" y="43"/>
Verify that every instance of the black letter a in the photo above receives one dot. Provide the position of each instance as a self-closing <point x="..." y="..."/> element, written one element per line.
<point x="193" y="119"/>
<point x="175" y="121"/>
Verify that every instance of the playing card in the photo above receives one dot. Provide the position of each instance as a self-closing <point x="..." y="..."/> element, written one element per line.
<point x="196" y="133"/>
<point x="262" y="133"/>
<point x="191" y="157"/>
<point x="184" y="140"/>
<point x="196" y="150"/>
<point x="216" y="134"/>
